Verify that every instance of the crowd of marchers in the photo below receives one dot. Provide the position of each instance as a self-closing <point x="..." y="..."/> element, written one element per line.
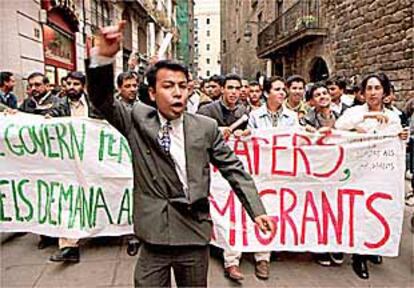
<point x="238" y="106"/>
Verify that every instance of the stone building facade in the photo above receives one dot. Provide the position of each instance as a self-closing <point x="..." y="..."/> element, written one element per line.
<point x="237" y="17"/>
<point x="52" y="36"/>
<point x="324" y="38"/>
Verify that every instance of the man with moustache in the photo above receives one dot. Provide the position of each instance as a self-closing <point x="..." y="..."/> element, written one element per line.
<point x="296" y="90"/>
<point x="76" y="105"/>
<point x="127" y="83"/>
<point x="171" y="152"/>
<point x="41" y="101"/>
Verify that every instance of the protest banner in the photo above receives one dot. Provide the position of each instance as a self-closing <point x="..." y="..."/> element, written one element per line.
<point x="72" y="178"/>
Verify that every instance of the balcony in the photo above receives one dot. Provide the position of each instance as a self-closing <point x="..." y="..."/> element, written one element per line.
<point x="301" y="22"/>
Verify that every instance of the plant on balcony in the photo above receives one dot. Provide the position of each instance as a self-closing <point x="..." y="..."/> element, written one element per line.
<point x="307" y="21"/>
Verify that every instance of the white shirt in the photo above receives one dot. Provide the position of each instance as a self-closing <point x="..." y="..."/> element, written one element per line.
<point x="193" y="103"/>
<point x="177" y="148"/>
<point x="353" y="118"/>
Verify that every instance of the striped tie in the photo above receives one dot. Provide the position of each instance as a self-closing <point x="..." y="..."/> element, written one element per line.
<point x="164" y="137"/>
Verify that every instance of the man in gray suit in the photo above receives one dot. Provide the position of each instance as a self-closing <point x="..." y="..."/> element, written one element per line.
<point x="172" y="151"/>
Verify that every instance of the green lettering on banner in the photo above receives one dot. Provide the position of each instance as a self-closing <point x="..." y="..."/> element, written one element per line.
<point x="60" y="134"/>
<point x="24" y="199"/>
<point x="16" y="204"/>
<point x="126" y="201"/>
<point x="80" y="146"/>
<point x="38" y="140"/>
<point x="101" y="145"/>
<point x="99" y="195"/>
<point x="42" y="185"/>
<point x="124" y="147"/>
<point x="108" y="146"/>
<point x="50" y="152"/>
<point x="88" y="209"/>
<point x="78" y="209"/>
<point x="51" y="198"/>
<point x="19" y="149"/>
<point x="3" y="218"/>
<point x="22" y="140"/>
<point x="64" y="195"/>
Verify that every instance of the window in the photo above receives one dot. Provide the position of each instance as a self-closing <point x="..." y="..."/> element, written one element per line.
<point x="224" y="46"/>
<point x="208" y="21"/>
<point x="208" y="47"/>
<point x="196" y="23"/>
<point x="208" y="33"/>
<point x="208" y="73"/>
<point x="208" y="60"/>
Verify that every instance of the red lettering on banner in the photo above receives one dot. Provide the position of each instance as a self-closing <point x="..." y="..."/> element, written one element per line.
<point x="229" y="206"/>
<point x="338" y="162"/>
<point x="352" y="194"/>
<point x="276" y="148"/>
<point x="297" y="150"/>
<point x="285" y="217"/>
<point x="310" y="202"/>
<point x="243" y="152"/>
<point x="380" y="218"/>
<point x="327" y="214"/>
<point x="244" y="226"/>
<point x="256" y="152"/>
<point x="271" y="236"/>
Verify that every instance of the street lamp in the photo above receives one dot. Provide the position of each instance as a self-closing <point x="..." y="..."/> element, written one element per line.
<point x="248" y="34"/>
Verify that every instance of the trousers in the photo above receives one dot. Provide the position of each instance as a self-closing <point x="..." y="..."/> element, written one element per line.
<point x="155" y="262"/>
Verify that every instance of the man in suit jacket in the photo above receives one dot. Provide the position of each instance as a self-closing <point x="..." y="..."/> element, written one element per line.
<point x="172" y="152"/>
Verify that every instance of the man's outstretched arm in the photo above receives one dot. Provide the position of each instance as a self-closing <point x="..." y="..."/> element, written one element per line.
<point x="100" y="77"/>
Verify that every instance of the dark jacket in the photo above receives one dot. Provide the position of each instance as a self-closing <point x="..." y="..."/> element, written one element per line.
<point x="8" y="99"/>
<point x="161" y="216"/>
<point x="224" y="117"/>
<point x="48" y="104"/>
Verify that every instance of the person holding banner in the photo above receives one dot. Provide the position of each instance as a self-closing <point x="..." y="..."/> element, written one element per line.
<point x="322" y="119"/>
<point x="274" y="113"/>
<point x="76" y="105"/>
<point x="371" y="117"/>
<point x="172" y="151"/>
<point x="228" y="113"/>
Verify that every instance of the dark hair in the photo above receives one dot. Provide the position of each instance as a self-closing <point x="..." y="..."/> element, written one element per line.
<point x="231" y="76"/>
<point x="64" y="78"/>
<point x="316" y="86"/>
<point x="356" y="88"/>
<point x="164" y="64"/>
<point x="125" y="76"/>
<point x="77" y="75"/>
<point x="5" y="77"/>
<point x="382" y="78"/>
<point x="267" y="85"/>
<point x="254" y="83"/>
<point x="45" y="80"/>
<point x="337" y="81"/>
<point x="218" y="79"/>
<point x="295" y="78"/>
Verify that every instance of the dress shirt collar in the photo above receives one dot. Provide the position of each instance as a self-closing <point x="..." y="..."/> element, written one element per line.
<point x="174" y="123"/>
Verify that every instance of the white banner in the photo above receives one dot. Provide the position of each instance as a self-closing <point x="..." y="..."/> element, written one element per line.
<point x="341" y="192"/>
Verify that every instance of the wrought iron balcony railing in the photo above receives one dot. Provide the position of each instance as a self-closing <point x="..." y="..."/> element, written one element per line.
<point x="303" y="19"/>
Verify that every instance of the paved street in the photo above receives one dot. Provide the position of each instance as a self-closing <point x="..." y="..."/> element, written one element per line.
<point x="104" y="263"/>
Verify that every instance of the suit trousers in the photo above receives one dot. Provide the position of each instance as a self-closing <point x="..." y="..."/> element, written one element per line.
<point x="189" y="264"/>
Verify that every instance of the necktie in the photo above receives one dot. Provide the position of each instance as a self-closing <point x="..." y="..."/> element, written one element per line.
<point x="275" y="119"/>
<point x="164" y="137"/>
